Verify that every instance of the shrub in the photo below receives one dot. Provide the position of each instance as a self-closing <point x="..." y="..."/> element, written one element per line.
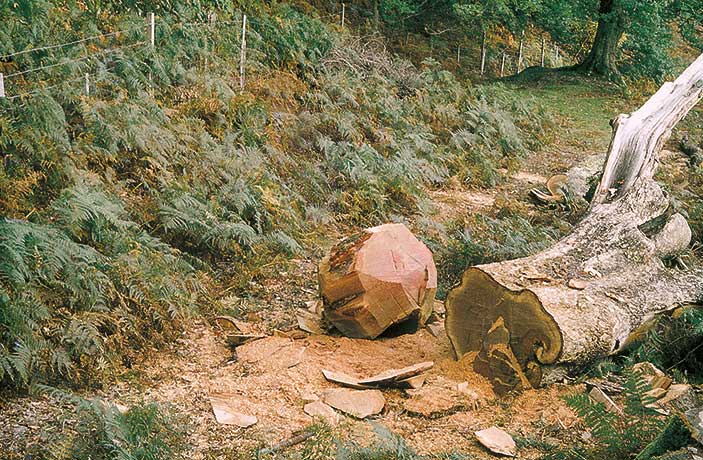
<point x="483" y="239"/>
<point x="618" y="435"/>
<point x="98" y="430"/>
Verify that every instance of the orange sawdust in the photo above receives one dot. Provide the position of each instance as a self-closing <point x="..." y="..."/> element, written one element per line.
<point x="272" y="379"/>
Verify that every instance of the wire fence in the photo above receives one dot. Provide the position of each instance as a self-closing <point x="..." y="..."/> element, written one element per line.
<point x="503" y="60"/>
<point x="11" y="80"/>
<point x="71" y="43"/>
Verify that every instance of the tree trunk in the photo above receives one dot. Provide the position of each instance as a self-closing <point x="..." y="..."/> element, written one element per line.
<point x="611" y="26"/>
<point x="595" y="290"/>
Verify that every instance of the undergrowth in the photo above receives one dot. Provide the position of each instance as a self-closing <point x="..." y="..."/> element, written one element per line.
<point x="326" y="444"/>
<point x="119" y="210"/>
<point x="636" y="431"/>
<point x="481" y="239"/>
<point x="94" y="429"/>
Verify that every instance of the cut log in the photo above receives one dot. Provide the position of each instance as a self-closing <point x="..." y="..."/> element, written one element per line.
<point x="376" y="279"/>
<point x="617" y="250"/>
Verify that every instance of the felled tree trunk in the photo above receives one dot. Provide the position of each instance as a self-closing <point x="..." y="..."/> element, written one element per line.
<point x="590" y="294"/>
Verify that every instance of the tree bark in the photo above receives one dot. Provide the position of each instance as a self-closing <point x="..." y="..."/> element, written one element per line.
<point x="597" y="289"/>
<point x="604" y="51"/>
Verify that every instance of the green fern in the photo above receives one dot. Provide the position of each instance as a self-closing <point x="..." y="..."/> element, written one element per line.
<point x="98" y="429"/>
<point x="618" y="435"/>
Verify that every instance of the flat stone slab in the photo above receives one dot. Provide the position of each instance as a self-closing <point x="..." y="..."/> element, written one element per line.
<point x="357" y="403"/>
<point x="323" y="411"/>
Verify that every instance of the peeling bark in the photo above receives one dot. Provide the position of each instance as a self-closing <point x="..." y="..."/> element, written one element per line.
<point x="597" y="289"/>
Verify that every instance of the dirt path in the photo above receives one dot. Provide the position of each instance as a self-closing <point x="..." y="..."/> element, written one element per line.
<point x="582" y="131"/>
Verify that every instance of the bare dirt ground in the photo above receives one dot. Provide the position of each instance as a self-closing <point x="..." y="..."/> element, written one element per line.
<point x="274" y="377"/>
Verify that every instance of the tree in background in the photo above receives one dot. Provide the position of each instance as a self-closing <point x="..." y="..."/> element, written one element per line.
<point x="610" y="37"/>
<point x="632" y="36"/>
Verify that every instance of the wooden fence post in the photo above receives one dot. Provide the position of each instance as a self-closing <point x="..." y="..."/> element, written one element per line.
<point x="87" y="84"/>
<point x="243" y="53"/>
<point x="502" y="65"/>
<point x="344" y="7"/>
<point x="556" y="54"/>
<point x="542" y="54"/>
<point x="152" y="29"/>
<point x="2" y="85"/>
<point x="519" y="56"/>
<point x="483" y="52"/>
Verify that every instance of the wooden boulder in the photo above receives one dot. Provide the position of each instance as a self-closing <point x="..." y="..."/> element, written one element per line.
<point x="375" y="279"/>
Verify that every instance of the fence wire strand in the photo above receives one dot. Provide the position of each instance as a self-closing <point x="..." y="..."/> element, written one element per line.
<point x="75" y="42"/>
<point x="83" y="58"/>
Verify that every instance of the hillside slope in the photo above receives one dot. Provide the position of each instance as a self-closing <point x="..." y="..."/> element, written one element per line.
<point x="129" y="209"/>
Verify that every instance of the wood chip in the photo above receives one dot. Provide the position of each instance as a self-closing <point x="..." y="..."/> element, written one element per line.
<point x="235" y="340"/>
<point x="675" y="391"/>
<point x="309" y="322"/>
<point x="343" y="379"/>
<point x="296" y="334"/>
<point x="400" y="378"/>
<point x="357" y="403"/>
<point x="121" y="408"/>
<point x="436" y="329"/>
<point x="661" y="381"/>
<point x="647" y="369"/>
<point x="227" y="324"/>
<point x="298" y="358"/>
<point x="323" y="411"/>
<point x="575" y="283"/>
<point x="497" y="441"/>
<point x="226" y="413"/>
<point x="412" y="382"/>
<point x="438" y="307"/>
<point x="314" y="306"/>
<point x="386" y="378"/>
<point x="309" y="396"/>
<point x="655" y="393"/>
<point x="597" y="395"/>
<point x="463" y="387"/>
<point x="652" y="375"/>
